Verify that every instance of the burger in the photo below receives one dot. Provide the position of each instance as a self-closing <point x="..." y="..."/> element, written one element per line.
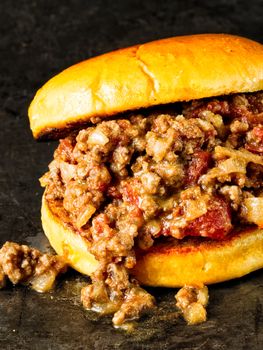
<point x="158" y="176"/>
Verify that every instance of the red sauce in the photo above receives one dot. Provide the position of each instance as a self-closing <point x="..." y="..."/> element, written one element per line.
<point x="216" y="223"/>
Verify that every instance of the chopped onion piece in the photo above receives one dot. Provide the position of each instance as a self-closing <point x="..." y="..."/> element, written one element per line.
<point x="67" y="171"/>
<point x="44" y="282"/>
<point x="194" y="208"/>
<point x="236" y="163"/>
<point x="254" y="207"/>
<point x="233" y="165"/>
<point x="85" y="215"/>
<point x="154" y="227"/>
<point x="241" y="154"/>
<point x="195" y="313"/>
<point x="98" y="138"/>
<point x="160" y="148"/>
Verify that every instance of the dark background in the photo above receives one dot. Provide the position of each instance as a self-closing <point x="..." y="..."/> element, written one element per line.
<point x="37" y="40"/>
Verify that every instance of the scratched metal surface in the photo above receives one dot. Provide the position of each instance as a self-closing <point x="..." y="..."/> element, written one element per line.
<point x="37" y="40"/>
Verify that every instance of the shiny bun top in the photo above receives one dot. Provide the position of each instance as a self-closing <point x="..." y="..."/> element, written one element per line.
<point x="164" y="71"/>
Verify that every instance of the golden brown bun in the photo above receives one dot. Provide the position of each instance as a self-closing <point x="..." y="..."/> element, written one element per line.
<point x="159" y="72"/>
<point x="66" y="242"/>
<point x="193" y="262"/>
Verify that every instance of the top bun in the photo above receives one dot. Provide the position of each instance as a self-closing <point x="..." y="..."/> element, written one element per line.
<point x="164" y="71"/>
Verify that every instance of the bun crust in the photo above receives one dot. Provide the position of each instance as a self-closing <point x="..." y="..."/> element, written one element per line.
<point x="159" y="72"/>
<point x="66" y="242"/>
<point x="192" y="262"/>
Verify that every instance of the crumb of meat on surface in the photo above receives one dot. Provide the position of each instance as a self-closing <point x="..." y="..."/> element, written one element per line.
<point x="22" y="264"/>
<point x="136" y="302"/>
<point x="192" y="302"/>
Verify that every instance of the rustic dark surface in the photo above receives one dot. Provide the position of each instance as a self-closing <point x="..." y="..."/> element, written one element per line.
<point x="37" y="40"/>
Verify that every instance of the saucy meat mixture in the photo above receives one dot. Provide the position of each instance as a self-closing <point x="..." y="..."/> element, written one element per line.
<point x="190" y="169"/>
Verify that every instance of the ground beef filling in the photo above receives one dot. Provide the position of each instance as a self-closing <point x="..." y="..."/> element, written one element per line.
<point x="192" y="169"/>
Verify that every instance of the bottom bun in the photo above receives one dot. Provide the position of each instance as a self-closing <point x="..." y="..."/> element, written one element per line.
<point x="187" y="262"/>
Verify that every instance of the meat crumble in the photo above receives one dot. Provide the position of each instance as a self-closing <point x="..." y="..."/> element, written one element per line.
<point x="22" y="264"/>
<point x="191" y="169"/>
<point x="192" y="302"/>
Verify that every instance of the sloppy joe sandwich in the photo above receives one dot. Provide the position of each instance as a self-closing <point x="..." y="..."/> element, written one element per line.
<point x="158" y="176"/>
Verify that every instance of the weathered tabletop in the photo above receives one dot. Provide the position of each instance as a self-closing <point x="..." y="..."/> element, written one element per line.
<point x="38" y="39"/>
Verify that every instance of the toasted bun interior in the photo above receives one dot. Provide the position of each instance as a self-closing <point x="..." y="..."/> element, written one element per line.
<point x="173" y="265"/>
<point x="159" y="72"/>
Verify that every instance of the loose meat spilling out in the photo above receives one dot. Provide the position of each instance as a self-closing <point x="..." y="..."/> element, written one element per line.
<point x="192" y="302"/>
<point x="22" y="264"/>
<point x="125" y="182"/>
